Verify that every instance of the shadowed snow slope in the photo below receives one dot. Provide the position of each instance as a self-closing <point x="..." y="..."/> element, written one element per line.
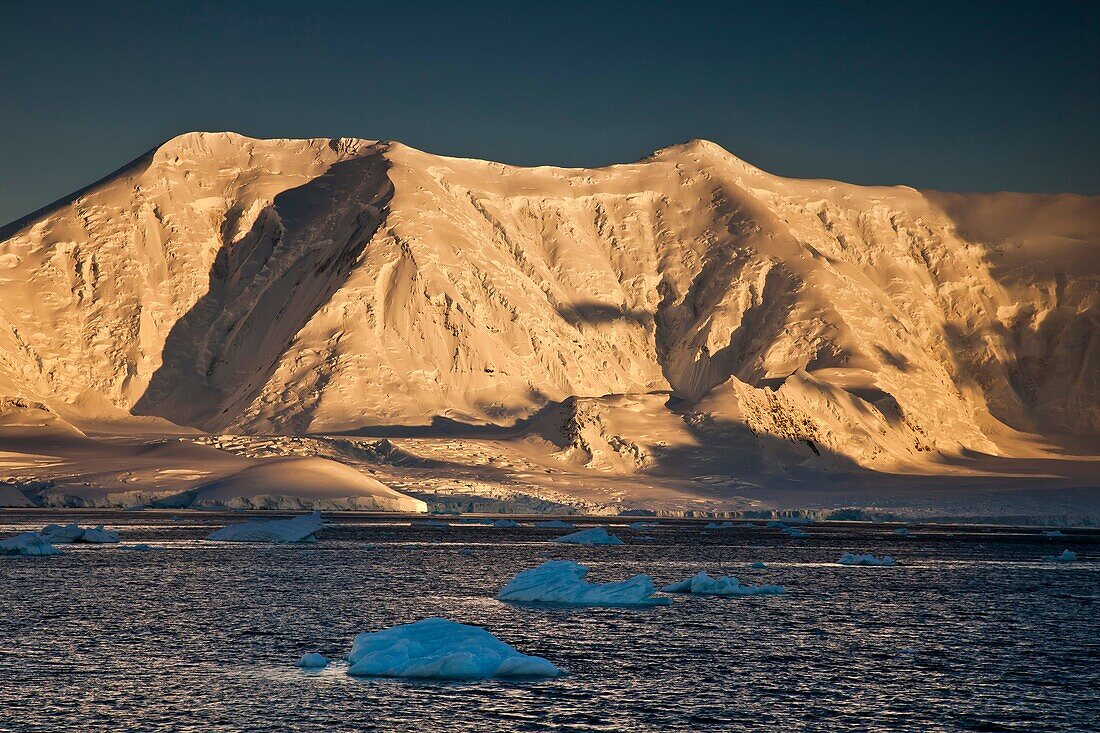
<point x="291" y="286"/>
<point x="297" y="483"/>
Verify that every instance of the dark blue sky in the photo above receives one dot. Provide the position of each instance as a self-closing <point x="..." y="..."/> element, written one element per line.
<point x="967" y="96"/>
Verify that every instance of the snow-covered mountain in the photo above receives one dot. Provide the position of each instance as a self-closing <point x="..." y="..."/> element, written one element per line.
<point x="291" y="286"/>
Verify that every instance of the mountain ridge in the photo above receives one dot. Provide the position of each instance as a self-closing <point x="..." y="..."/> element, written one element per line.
<point x="330" y="285"/>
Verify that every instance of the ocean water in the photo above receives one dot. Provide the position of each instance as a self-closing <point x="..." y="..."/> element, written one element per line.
<point x="972" y="631"/>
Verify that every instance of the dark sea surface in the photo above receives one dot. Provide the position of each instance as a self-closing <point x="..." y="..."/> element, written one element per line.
<point x="972" y="631"/>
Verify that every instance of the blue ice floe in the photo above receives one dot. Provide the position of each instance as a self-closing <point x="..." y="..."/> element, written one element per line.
<point x="313" y="660"/>
<point x="869" y="559"/>
<point x="436" y="648"/>
<point x="296" y="529"/>
<point x="702" y="584"/>
<point x="28" y="544"/>
<point x="594" y="536"/>
<point x="1066" y="556"/>
<point x="562" y="581"/>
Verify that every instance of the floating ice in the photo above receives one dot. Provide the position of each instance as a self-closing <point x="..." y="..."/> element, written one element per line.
<point x="747" y="525"/>
<point x="296" y="529"/>
<point x="719" y="525"/>
<point x="758" y="565"/>
<point x="795" y="532"/>
<point x="869" y="559"/>
<point x="505" y="523"/>
<point x="643" y="525"/>
<point x="136" y="548"/>
<point x="1066" y="556"/>
<point x="59" y="535"/>
<point x="28" y="543"/>
<point x="431" y="523"/>
<point x="441" y="649"/>
<point x="1053" y="533"/>
<point x="562" y="581"/>
<point x="776" y="524"/>
<point x="554" y="524"/>
<point x="313" y="660"/>
<point x="902" y="531"/>
<point x="702" y="584"/>
<point x="594" y="536"/>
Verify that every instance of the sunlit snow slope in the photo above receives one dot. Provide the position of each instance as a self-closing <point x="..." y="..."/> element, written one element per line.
<point x="293" y="286"/>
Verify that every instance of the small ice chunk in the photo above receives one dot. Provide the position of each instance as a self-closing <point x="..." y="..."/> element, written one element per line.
<point x="437" y="648"/>
<point x="719" y="525"/>
<point x="141" y="547"/>
<point x="313" y="660"/>
<point x="505" y="523"/>
<point x="776" y="524"/>
<point x="1053" y="533"/>
<point x="1066" y="556"/>
<point x="562" y="581"/>
<point x="100" y="536"/>
<point x="747" y="525"/>
<point x="758" y="565"/>
<point x="643" y="525"/>
<point x="902" y="531"/>
<point x="28" y="543"/>
<point x="296" y="529"/>
<point x="702" y="584"/>
<point x="594" y="536"/>
<point x="431" y="523"/>
<point x="869" y="559"/>
<point x="795" y="532"/>
<point x="73" y="532"/>
<point x="554" y="524"/>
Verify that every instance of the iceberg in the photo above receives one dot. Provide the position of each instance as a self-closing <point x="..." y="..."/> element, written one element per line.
<point x="758" y="565"/>
<point x="436" y="648"/>
<point x="902" y="531"/>
<point x="73" y="532"/>
<point x="554" y="524"/>
<point x="296" y="529"/>
<point x="313" y="660"/>
<point x="505" y="523"/>
<point x="1066" y="556"/>
<point x="643" y="525"/>
<point x="702" y="584"/>
<point x="562" y="581"/>
<point x="1053" y="533"/>
<point x="869" y="559"/>
<point x="718" y="525"/>
<point x="795" y="532"/>
<point x="28" y="543"/>
<point x="594" y="536"/>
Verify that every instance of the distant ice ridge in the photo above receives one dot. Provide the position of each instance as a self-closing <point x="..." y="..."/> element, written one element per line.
<point x="1066" y="556"/>
<point x="69" y="533"/>
<point x="702" y="584"/>
<point x="437" y="648"/>
<point x="297" y="529"/>
<point x="28" y="543"/>
<point x="594" y="536"/>
<point x="313" y="660"/>
<point x="869" y="559"/>
<point x="562" y="581"/>
<point x="554" y="524"/>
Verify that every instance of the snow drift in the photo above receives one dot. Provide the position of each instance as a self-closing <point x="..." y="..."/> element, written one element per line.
<point x="563" y="581"/>
<point x="440" y="649"/>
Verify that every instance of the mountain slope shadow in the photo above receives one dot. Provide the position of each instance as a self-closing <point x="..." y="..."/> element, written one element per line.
<point x="264" y="287"/>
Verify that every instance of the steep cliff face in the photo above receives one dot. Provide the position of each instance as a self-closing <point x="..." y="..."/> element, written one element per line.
<point x="328" y="285"/>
